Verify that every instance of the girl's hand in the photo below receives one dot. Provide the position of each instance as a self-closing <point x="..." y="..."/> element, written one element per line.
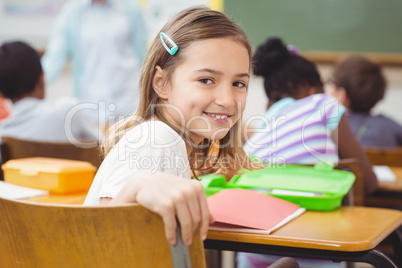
<point x="171" y="197"/>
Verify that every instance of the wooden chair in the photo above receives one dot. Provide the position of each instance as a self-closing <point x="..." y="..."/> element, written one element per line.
<point x="356" y="195"/>
<point x="384" y="156"/>
<point x="39" y="235"/>
<point x="12" y="148"/>
<point x="389" y="157"/>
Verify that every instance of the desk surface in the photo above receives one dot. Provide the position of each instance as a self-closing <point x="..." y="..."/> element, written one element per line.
<point x="75" y="198"/>
<point x="392" y="186"/>
<point x="78" y="198"/>
<point x="344" y="229"/>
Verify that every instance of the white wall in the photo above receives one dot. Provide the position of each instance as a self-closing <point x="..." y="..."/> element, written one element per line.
<point x="36" y="30"/>
<point x="33" y="29"/>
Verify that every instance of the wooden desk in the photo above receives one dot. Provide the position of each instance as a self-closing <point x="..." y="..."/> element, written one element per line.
<point x="392" y="186"/>
<point x="346" y="234"/>
<point x="389" y="193"/>
<point x="76" y="198"/>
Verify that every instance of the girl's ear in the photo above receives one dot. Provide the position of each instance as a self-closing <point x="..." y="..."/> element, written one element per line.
<point x="343" y="97"/>
<point x="159" y="83"/>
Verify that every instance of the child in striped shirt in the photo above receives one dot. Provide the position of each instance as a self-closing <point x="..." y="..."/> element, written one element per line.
<point x="301" y="126"/>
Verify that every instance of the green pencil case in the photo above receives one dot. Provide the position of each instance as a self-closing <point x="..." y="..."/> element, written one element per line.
<point x="314" y="188"/>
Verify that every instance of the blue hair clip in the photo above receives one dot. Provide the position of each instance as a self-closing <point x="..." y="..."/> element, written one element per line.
<point x="174" y="47"/>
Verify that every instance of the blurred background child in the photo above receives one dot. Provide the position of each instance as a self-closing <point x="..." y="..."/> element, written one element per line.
<point x="302" y="124"/>
<point x="4" y="111"/>
<point x="359" y="85"/>
<point x="32" y="117"/>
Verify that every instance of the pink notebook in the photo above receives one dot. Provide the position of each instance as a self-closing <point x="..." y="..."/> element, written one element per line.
<point x="241" y="210"/>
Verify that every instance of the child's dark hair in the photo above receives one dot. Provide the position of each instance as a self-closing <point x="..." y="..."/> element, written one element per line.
<point x="285" y="73"/>
<point x="20" y="69"/>
<point x="363" y="82"/>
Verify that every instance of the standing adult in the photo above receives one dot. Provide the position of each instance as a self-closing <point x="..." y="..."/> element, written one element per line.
<point x="106" y="42"/>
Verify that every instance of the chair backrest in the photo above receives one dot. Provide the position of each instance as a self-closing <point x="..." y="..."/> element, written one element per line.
<point x="385" y="156"/>
<point x="13" y="148"/>
<point x="39" y="235"/>
<point x="356" y="195"/>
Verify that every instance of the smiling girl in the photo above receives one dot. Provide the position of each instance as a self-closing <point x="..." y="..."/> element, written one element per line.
<point x="193" y="93"/>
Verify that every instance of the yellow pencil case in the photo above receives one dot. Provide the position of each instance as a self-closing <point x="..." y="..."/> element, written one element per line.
<point x="55" y="175"/>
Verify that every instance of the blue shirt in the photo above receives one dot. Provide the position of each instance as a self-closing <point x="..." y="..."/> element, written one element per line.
<point x="375" y="130"/>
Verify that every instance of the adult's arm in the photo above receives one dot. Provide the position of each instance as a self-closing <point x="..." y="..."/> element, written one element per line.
<point x="170" y="197"/>
<point x="349" y="147"/>
<point x="138" y="29"/>
<point x="58" y="49"/>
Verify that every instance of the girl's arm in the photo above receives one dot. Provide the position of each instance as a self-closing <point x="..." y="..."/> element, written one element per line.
<point x="349" y="147"/>
<point x="171" y="197"/>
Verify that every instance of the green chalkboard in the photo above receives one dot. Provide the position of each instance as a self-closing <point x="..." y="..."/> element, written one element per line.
<point x="323" y="25"/>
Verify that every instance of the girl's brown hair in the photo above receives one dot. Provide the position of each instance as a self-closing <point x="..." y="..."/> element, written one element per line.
<point x="225" y="156"/>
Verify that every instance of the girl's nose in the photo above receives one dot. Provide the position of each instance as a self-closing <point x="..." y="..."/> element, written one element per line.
<point x="224" y="96"/>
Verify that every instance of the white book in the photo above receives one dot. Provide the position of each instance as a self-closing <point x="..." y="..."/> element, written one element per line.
<point x="12" y="191"/>
<point x="384" y="173"/>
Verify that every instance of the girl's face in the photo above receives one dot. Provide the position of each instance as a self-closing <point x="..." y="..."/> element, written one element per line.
<point x="207" y="92"/>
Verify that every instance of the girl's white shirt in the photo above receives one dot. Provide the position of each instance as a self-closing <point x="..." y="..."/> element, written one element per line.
<point x="151" y="146"/>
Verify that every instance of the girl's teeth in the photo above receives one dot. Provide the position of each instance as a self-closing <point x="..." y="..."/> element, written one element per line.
<point x="218" y="116"/>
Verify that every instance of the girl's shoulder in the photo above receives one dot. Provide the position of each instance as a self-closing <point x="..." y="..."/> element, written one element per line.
<point x="323" y="102"/>
<point x="155" y="127"/>
<point x="313" y="102"/>
<point x="155" y="132"/>
<point x="320" y="99"/>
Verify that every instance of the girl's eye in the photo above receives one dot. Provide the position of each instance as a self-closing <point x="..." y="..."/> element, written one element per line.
<point x="206" y="81"/>
<point x="239" y="84"/>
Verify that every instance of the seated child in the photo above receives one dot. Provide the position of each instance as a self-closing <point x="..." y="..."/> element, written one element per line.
<point x="359" y="84"/>
<point x="4" y="111"/>
<point x="301" y="126"/>
<point x="32" y="117"/>
<point x="193" y="93"/>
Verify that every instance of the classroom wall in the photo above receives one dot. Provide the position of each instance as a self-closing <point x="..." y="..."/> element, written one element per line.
<point x="36" y="30"/>
<point x="323" y="25"/>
